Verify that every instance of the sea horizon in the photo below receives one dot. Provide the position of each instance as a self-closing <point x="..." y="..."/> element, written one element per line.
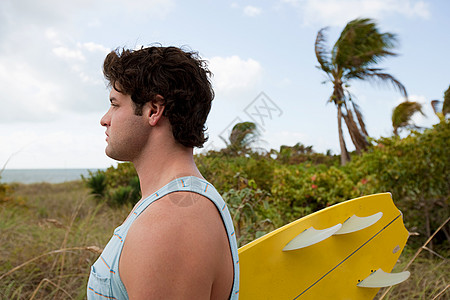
<point x="51" y="175"/>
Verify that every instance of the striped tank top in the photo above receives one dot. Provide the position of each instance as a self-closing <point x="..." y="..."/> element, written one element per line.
<point x="104" y="280"/>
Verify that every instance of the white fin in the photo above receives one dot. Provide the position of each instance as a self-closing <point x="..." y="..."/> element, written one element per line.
<point x="379" y="279"/>
<point x="310" y="237"/>
<point x="355" y="223"/>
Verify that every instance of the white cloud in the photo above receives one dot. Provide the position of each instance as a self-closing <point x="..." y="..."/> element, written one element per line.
<point x="46" y="71"/>
<point x="252" y="11"/>
<point x="55" y="144"/>
<point x="93" y="47"/>
<point x="233" y="73"/>
<point x="64" y="52"/>
<point x="34" y="98"/>
<point x="45" y="84"/>
<point x="339" y="12"/>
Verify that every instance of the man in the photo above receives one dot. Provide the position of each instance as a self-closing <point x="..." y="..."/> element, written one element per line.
<point x="178" y="242"/>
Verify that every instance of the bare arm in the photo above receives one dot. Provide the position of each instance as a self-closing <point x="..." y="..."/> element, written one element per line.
<point x="173" y="251"/>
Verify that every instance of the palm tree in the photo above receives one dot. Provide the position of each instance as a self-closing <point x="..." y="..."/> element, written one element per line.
<point x="445" y="109"/>
<point x="359" y="48"/>
<point x="402" y="115"/>
<point x="446" y="105"/>
<point x="241" y="137"/>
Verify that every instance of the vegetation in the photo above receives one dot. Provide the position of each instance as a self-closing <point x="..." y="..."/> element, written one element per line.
<point x="50" y="234"/>
<point x="402" y="115"/>
<point x="446" y="102"/>
<point x="444" y="110"/>
<point x="354" y="56"/>
<point x="241" y="137"/>
<point x="48" y="245"/>
<point x="117" y="186"/>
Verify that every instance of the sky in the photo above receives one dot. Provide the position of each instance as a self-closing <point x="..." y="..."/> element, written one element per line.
<point x="261" y="53"/>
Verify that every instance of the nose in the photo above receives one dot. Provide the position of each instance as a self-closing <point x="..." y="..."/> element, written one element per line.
<point x="104" y="121"/>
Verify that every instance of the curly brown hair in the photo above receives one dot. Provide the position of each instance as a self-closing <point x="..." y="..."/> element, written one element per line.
<point x="180" y="77"/>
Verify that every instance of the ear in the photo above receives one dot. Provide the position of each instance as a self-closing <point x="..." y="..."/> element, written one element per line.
<point x="156" y="110"/>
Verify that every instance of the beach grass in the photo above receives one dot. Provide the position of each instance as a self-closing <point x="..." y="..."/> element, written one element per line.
<point x="50" y="235"/>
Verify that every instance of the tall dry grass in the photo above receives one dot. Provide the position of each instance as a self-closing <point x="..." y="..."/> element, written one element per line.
<point x="429" y="276"/>
<point x="50" y="234"/>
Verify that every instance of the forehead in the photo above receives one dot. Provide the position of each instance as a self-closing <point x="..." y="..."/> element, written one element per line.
<point x="118" y="96"/>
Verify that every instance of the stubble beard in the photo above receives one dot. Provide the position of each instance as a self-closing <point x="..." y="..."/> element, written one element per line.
<point x="109" y="151"/>
<point x="127" y="150"/>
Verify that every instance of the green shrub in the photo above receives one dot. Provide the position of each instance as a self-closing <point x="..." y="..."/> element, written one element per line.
<point x="117" y="185"/>
<point x="416" y="171"/>
<point x="121" y="195"/>
<point x="96" y="182"/>
<point x="252" y="216"/>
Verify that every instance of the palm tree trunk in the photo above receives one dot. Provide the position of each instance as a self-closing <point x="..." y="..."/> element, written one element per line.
<point x="352" y="132"/>
<point x="356" y="136"/>
<point x="395" y="130"/>
<point x="359" y="116"/>
<point x="345" y="158"/>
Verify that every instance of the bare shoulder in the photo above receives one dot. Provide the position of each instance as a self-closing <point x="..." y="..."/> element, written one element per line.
<point x="175" y="250"/>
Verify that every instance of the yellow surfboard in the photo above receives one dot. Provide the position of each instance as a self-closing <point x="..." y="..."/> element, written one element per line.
<point x="345" y="251"/>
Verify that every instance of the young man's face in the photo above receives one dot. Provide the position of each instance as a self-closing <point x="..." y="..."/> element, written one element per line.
<point x="126" y="132"/>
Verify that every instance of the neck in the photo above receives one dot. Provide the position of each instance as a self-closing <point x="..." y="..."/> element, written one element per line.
<point x="162" y="163"/>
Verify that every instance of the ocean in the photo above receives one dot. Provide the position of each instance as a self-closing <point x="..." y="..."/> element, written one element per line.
<point x="43" y="175"/>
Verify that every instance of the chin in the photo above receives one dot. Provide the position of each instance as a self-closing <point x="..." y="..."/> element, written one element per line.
<point x="116" y="156"/>
<point x="110" y="153"/>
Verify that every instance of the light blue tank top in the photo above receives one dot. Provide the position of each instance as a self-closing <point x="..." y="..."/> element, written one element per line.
<point x="104" y="280"/>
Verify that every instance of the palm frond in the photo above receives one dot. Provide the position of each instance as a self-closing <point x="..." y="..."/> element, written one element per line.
<point x="446" y="105"/>
<point x="242" y="135"/>
<point x="374" y="75"/>
<point x="402" y="114"/>
<point x="322" y="52"/>
<point x="436" y="105"/>
<point x="362" y="44"/>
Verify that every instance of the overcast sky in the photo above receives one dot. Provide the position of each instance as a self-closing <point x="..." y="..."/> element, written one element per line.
<point x="261" y="53"/>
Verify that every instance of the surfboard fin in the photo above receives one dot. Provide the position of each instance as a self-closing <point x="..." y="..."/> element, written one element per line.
<point x="379" y="279"/>
<point x="310" y="237"/>
<point x="355" y="223"/>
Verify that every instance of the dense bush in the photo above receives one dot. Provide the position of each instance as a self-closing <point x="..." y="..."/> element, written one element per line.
<point x="117" y="185"/>
<point x="416" y="171"/>
<point x="266" y="191"/>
